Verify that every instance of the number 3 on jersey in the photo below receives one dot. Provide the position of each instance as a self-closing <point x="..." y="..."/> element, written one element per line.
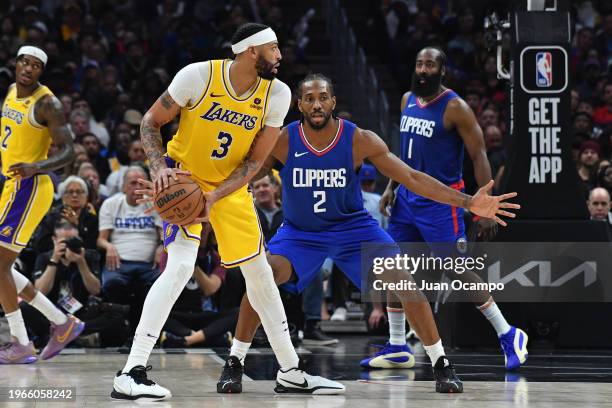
<point x="225" y="140"/>
<point x="7" y="133"/>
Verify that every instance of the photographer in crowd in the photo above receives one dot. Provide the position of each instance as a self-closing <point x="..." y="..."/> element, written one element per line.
<point x="68" y="276"/>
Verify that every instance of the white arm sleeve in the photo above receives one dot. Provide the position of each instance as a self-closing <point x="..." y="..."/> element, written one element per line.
<point x="278" y="106"/>
<point x="189" y="83"/>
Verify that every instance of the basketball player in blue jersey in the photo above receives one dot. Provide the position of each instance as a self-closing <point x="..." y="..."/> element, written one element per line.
<point x="325" y="217"/>
<point x="436" y="125"/>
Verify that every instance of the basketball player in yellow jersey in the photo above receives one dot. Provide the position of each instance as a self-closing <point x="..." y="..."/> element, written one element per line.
<point x="231" y="114"/>
<point x="31" y="118"/>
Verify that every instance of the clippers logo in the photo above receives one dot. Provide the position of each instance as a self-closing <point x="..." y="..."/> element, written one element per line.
<point x="544" y="76"/>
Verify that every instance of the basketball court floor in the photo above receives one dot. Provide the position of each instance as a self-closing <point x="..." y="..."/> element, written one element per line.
<point x="550" y="379"/>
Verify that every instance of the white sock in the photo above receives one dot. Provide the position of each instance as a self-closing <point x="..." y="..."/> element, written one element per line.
<point x="397" y="326"/>
<point x="265" y="299"/>
<point x="17" y="327"/>
<point x="435" y="351"/>
<point x="20" y="281"/>
<point x="239" y="349"/>
<point x="495" y="317"/>
<point x="160" y="299"/>
<point x="47" y="308"/>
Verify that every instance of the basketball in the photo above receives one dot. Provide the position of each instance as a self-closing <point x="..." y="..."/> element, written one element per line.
<point x="180" y="203"/>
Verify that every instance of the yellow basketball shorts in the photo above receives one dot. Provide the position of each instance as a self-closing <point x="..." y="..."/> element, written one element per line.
<point x="23" y="204"/>
<point x="235" y="223"/>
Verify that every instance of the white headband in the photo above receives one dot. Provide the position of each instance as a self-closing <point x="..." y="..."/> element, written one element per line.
<point x="259" y="38"/>
<point x="33" y="51"/>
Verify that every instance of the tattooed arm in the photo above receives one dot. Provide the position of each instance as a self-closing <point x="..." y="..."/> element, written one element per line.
<point x="278" y="154"/>
<point x="163" y="111"/>
<point x="48" y="111"/>
<point x="265" y="169"/>
<point x="261" y="148"/>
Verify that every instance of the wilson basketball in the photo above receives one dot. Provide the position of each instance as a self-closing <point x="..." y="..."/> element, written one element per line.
<point x="180" y="203"/>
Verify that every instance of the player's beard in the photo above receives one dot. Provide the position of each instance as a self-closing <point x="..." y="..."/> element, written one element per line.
<point x="430" y="87"/>
<point x="264" y="68"/>
<point x="318" y="126"/>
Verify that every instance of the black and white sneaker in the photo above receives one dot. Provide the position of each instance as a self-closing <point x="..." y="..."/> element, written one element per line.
<point x="297" y="381"/>
<point x="313" y="336"/>
<point x="231" y="377"/>
<point x="136" y="386"/>
<point x="447" y="381"/>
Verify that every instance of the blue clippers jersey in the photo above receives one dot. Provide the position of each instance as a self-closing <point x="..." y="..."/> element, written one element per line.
<point x="426" y="145"/>
<point x="321" y="189"/>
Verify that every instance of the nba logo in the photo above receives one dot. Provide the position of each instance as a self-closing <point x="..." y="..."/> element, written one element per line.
<point x="544" y="69"/>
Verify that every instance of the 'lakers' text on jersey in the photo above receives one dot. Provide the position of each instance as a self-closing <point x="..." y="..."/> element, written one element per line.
<point x="23" y="202"/>
<point x="320" y="188"/>
<point x="22" y="139"/>
<point x="216" y="132"/>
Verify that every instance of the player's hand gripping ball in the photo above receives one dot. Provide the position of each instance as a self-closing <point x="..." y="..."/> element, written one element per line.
<point x="181" y="202"/>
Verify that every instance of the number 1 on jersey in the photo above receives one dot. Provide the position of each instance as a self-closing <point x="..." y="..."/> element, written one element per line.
<point x="321" y="196"/>
<point x="410" y="149"/>
<point x="225" y="140"/>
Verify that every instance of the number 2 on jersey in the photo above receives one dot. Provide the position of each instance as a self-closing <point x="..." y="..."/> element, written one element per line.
<point x="321" y="196"/>
<point x="8" y="131"/>
<point x="225" y="140"/>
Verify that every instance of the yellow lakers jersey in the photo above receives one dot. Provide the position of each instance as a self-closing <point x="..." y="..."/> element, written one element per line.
<point x="216" y="133"/>
<point x="22" y="140"/>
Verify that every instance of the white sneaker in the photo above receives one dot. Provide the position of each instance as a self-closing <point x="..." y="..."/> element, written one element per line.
<point x="339" y="315"/>
<point x="297" y="381"/>
<point x="136" y="386"/>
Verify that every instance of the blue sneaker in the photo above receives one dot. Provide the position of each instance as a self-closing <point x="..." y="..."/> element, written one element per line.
<point x="514" y="344"/>
<point x="390" y="356"/>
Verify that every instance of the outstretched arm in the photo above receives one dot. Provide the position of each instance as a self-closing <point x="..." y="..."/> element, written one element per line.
<point x="388" y="197"/>
<point x="48" y="110"/>
<point x="422" y="184"/>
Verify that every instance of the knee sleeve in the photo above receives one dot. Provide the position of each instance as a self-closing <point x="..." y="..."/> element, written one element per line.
<point x="260" y="285"/>
<point x="167" y="288"/>
<point x="182" y="256"/>
<point x="20" y="281"/>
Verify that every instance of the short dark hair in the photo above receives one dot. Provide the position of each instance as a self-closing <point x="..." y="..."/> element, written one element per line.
<point x="246" y="30"/>
<point x="87" y="134"/>
<point x="315" y="77"/>
<point x="440" y="58"/>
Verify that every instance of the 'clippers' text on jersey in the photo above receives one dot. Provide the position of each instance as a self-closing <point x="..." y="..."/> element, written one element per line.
<point x="321" y="189"/>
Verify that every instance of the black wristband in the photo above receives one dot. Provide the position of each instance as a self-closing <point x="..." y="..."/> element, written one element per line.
<point x="51" y="263"/>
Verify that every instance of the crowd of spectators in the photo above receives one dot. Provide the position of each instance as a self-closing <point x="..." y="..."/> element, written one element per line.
<point x="110" y="60"/>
